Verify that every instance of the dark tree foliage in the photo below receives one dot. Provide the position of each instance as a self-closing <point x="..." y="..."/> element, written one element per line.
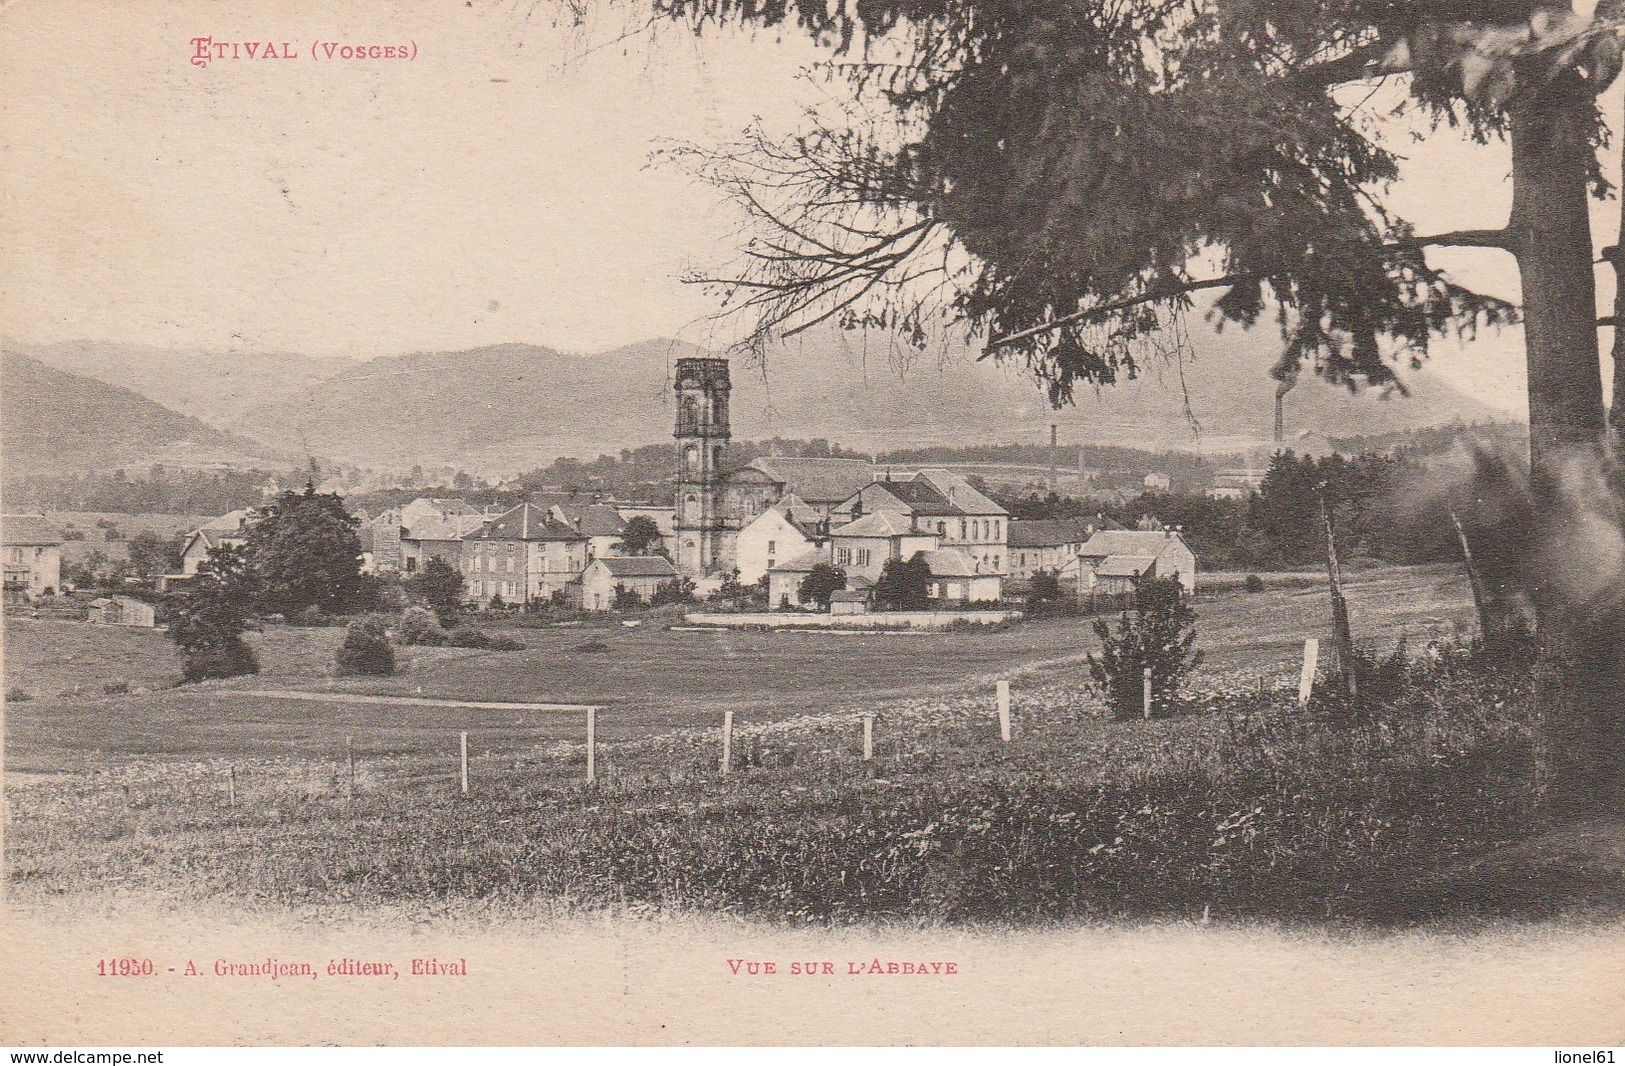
<point x="822" y="582"/>
<point x="366" y="650"/>
<point x="641" y="536"/>
<point x="1062" y="176"/>
<point x="1044" y="591"/>
<point x="208" y="615"/>
<point x="678" y="590"/>
<point x="904" y="585"/>
<point x="151" y="555"/>
<point x="305" y="553"/>
<point x="439" y="585"/>
<point x="628" y="599"/>
<point x="1159" y="632"/>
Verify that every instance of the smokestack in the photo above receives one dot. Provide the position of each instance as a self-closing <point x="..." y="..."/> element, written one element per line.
<point x="1054" y="437"/>
<point x="1285" y="380"/>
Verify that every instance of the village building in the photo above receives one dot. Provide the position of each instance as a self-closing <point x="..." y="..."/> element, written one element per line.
<point x="522" y="555"/>
<point x="32" y="557"/>
<point x="818" y="485"/>
<point x="1157" y="481"/>
<point x="1051" y="545"/>
<point x="600" y="523"/>
<point x="1235" y="484"/>
<point x="428" y="509"/>
<point x="942" y="503"/>
<point x="437" y="537"/>
<point x="955" y="579"/>
<point x="381" y="545"/>
<point x="230" y="530"/>
<point x="784" y="579"/>
<point x="121" y="611"/>
<point x="863" y="547"/>
<point x="788" y="529"/>
<point x="1114" y="560"/>
<point x="640" y="574"/>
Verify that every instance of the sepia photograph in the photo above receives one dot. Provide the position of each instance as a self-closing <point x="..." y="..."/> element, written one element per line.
<point x="566" y="523"/>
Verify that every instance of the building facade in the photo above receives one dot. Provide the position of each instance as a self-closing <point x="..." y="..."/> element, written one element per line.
<point x="521" y="556"/>
<point x="33" y="557"/>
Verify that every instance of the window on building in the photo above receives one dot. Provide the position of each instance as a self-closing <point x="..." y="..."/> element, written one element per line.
<point x="863" y="556"/>
<point x="962" y="533"/>
<point x="772" y="546"/>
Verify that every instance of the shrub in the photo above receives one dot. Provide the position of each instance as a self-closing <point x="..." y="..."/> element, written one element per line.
<point x="502" y="643"/>
<point x="18" y="694"/>
<point x="440" y="585"/>
<point x="418" y="625"/>
<point x="366" y="650"/>
<point x="822" y="582"/>
<point x="1158" y="634"/>
<point x="116" y="688"/>
<point x="1254" y="583"/>
<point x="230" y="657"/>
<point x="627" y="599"/>
<point x="311" y="616"/>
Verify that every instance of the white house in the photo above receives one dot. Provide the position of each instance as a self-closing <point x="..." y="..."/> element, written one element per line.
<point x="956" y="578"/>
<point x="773" y="537"/>
<point x="522" y="555"/>
<point x="939" y="502"/>
<point x="33" y="557"/>
<point x="642" y="574"/>
<point x="863" y="548"/>
<point x="1113" y="560"/>
<point x="784" y="579"/>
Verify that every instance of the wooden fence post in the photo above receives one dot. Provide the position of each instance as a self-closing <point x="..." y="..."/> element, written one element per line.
<point x="231" y="785"/>
<point x="1146" y="695"/>
<point x="868" y="737"/>
<point x="1306" y="681"/>
<point x="349" y="757"/>
<point x="592" y="744"/>
<point x="1004" y="711"/>
<point x="727" y="742"/>
<point x="462" y="749"/>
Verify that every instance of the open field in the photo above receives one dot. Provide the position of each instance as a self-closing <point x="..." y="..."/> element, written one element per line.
<point x="1241" y="805"/>
<point x="650" y="680"/>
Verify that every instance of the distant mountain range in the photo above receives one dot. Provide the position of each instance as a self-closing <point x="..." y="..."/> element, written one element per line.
<point x="517" y="406"/>
<point x="53" y="421"/>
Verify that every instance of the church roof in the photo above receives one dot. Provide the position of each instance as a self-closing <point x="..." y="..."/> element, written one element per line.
<point x="815" y="480"/>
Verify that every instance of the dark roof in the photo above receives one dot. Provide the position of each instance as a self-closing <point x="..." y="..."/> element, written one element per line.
<point x="639" y="566"/>
<point x="1048" y="533"/>
<point x="592" y="519"/>
<point x="816" y="480"/>
<point x="525" y="522"/>
<point x="27" y="529"/>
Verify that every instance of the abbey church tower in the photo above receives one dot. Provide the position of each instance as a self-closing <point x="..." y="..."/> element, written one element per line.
<point x="702" y="438"/>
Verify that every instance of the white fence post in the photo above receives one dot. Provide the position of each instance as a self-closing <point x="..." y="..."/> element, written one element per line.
<point x="1311" y="659"/>
<point x="727" y="742"/>
<point x="592" y="744"/>
<point x="868" y="737"/>
<point x="1004" y="711"/>
<point x="462" y="753"/>
<point x="1147" y="693"/>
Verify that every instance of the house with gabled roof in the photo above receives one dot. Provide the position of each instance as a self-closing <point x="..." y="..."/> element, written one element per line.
<point x="939" y="502"/>
<point x="640" y="574"/>
<point x="1113" y="560"/>
<point x="863" y="547"/>
<point x="1051" y="545"/>
<point x="784" y="531"/>
<point x="522" y="555"/>
<point x="32" y="552"/>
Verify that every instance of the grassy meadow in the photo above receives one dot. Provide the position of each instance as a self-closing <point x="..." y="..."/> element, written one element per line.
<point x="1240" y="806"/>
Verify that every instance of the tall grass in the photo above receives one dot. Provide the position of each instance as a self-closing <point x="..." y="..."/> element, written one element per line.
<point x="1250" y="811"/>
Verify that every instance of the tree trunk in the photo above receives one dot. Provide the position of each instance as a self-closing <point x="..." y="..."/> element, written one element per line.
<point x="1574" y="568"/>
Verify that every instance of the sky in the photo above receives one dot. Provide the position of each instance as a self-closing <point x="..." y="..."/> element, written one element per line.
<point x="497" y="187"/>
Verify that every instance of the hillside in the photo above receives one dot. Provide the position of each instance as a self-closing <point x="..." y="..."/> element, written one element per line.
<point x="516" y="406"/>
<point x="53" y="422"/>
<point x="216" y="387"/>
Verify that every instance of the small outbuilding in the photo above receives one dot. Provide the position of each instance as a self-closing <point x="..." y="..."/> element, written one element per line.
<point x="849" y="601"/>
<point x="122" y="611"/>
<point x="642" y="574"/>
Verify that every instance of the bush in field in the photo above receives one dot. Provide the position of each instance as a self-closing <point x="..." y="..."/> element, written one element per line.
<point x="1158" y="633"/>
<point x="1254" y="583"/>
<point x="418" y="625"/>
<point x="467" y="636"/>
<point x="366" y="650"/>
<point x="208" y="616"/>
<point x="311" y="616"/>
<point x="627" y="599"/>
